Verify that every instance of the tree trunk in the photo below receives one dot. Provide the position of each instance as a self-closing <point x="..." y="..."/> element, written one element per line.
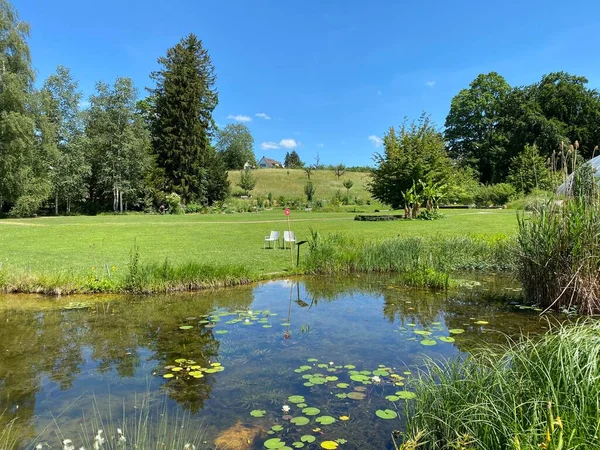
<point x="56" y="204"/>
<point x="121" y="201"/>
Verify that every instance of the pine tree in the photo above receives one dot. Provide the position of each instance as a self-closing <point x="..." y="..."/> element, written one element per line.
<point x="182" y="124"/>
<point x="292" y="160"/>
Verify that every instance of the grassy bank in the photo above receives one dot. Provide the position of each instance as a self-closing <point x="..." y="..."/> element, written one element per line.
<point x="538" y="393"/>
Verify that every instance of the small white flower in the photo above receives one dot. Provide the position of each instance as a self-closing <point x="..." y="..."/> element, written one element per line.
<point x="247" y="320"/>
<point x="376" y="379"/>
<point x="39" y="447"/>
<point x="285" y="408"/>
<point x="331" y="363"/>
<point x="68" y="444"/>
<point x="189" y="446"/>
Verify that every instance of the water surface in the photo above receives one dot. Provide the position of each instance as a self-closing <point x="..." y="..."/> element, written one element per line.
<point x="249" y="349"/>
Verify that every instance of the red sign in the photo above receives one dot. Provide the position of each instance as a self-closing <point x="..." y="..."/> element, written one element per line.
<point x="287" y="211"/>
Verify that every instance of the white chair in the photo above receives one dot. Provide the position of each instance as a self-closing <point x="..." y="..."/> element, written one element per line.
<point x="289" y="237"/>
<point x="273" y="237"/>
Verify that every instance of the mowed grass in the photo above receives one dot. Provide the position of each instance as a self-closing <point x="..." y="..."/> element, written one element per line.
<point x="290" y="183"/>
<point x="83" y="244"/>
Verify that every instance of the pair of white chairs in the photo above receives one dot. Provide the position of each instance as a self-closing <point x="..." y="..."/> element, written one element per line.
<point x="288" y="238"/>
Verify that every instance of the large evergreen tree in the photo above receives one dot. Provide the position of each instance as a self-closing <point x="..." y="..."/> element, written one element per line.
<point x="182" y="124"/>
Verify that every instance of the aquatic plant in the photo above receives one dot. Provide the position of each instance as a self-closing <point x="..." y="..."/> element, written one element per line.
<point x="523" y="394"/>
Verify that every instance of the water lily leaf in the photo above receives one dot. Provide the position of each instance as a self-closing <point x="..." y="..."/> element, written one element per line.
<point x="392" y="398"/>
<point x="386" y="414"/>
<point x="296" y="398"/>
<point x="308" y="384"/>
<point x="329" y="445"/>
<point x="436" y="323"/>
<point x="308" y="438"/>
<point x="221" y="332"/>
<point x="456" y="331"/>
<point x="428" y="342"/>
<point x="331" y="378"/>
<point x="180" y="360"/>
<point x="196" y="374"/>
<point x="186" y="327"/>
<point x="325" y="420"/>
<point x="301" y="405"/>
<point x="311" y="411"/>
<point x="274" y="443"/>
<point x="312" y="359"/>
<point x="168" y="375"/>
<point x="341" y="395"/>
<point x="322" y="365"/>
<point x="357" y="395"/>
<point x="267" y="326"/>
<point x="300" y="421"/>
<point x="381" y="373"/>
<point x="359" y="378"/>
<point x="297" y="444"/>
<point x="258" y="413"/>
<point x="305" y="368"/>
<point x="423" y="332"/>
<point x="177" y="369"/>
<point x="360" y="389"/>
<point x="285" y="324"/>
<point x="276" y="428"/>
<point x="349" y="366"/>
<point x="343" y="385"/>
<point x="446" y="339"/>
<point x="317" y="380"/>
<point x="481" y="322"/>
<point x="406" y="395"/>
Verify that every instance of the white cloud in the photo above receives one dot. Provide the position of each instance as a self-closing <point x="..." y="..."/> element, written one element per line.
<point x="430" y="83"/>
<point x="376" y="140"/>
<point x="263" y="116"/>
<point x="269" y="145"/>
<point x="320" y="145"/>
<point x="288" y="143"/>
<point x="240" y="118"/>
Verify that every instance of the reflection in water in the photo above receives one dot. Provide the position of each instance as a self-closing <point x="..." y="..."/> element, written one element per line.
<point x="261" y="335"/>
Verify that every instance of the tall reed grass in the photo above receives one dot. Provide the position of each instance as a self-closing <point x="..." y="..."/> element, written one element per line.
<point x="531" y="394"/>
<point x="559" y="255"/>
<point x="423" y="260"/>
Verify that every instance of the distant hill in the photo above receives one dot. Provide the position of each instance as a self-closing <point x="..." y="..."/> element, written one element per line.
<point x="290" y="183"/>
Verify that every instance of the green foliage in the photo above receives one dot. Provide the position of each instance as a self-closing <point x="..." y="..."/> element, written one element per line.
<point x="35" y="192"/>
<point x="416" y="152"/>
<point x="348" y="183"/>
<point x="292" y="160"/>
<point x="535" y="393"/>
<point x="529" y="171"/>
<point x="182" y="123"/>
<point x="310" y="189"/>
<point x="235" y="144"/>
<point x="559" y="255"/>
<point x="339" y="170"/>
<point x="247" y="181"/>
<point x="494" y="195"/>
<point x="174" y="202"/>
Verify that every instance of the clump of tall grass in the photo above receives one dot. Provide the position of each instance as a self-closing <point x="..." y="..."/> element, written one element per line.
<point x="149" y="426"/>
<point x="535" y="393"/>
<point x="559" y="253"/>
<point x="418" y="256"/>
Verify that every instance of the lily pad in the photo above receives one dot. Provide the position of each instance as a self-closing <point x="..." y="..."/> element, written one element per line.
<point x="325" y="420"/>
<point x="349" y="366"/>
<point x="392" y="398"/>
<point x="300" y="421"/>
<point x="381" y="373"/>
<point x="359" y="378"/>
<point x="267" y="326"/>
<point x="297" y="444"/>
<point x="311" y="411"/>
<point x="428" y="342"/>
<point x="341" y="395"/>
<point x="343" y="385"/>
<point x="296" y="398"/>
<point x="168" y="375"/>
<point x="481" y="322"/>
<point x="301" y="405"/>
<point x="274" y="443"/>
<point x="312" y="359"/>
<point x="186" y="327"/>
<point x="329" y="445"/>
<point x="221" y="332"/>
<point x="406" y="395"/>
<point x="446" y="339"/>
<point x="276" y="428"/>
<point x="357" y="395"/>
<point x="386" y="414"/>
<point x="331" y="378"/>
<point x="308" y="438"/>
<point x="423" y="332"/>
<point x="258" y="413"/>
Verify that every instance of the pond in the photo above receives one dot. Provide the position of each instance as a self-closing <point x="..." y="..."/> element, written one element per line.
<point x="310" y="363"/>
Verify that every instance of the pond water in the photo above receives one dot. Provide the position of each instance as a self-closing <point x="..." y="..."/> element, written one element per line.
<point x="331" y="349"/>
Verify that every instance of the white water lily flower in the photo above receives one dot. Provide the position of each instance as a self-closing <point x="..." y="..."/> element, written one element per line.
<point x="39" y="447"/>
<point x="331" y="363"/>
<point x="98" y="440"/>
<point x="189" y="446"/>
<point x="285" y="408"/>
<point x="247" y="320"/>
<point x="376" y="379"/>
<point x="68" y="444"/>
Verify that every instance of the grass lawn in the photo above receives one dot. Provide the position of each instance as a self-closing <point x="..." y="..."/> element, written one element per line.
<point x="78" y="244"/>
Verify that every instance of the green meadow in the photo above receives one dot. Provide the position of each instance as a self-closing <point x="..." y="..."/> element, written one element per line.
<point x="82" y="244"/>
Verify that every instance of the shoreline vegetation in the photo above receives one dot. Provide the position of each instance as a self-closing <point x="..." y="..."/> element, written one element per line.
<point x="421" y="262"/>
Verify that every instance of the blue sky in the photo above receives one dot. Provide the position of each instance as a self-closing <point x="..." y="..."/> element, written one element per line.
<point x="323" y="76"/>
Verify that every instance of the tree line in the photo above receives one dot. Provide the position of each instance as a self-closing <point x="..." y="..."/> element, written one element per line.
<point x="118" y="153"/>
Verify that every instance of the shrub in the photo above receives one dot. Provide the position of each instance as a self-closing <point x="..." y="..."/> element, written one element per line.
<point x="174" y="202"/>
<point x="309" y="190"/>
<point x="193" y="208"/>
<point x="496" y="194"/>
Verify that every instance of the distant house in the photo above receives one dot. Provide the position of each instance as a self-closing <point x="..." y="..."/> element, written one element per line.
<point x="267" y="163"/>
